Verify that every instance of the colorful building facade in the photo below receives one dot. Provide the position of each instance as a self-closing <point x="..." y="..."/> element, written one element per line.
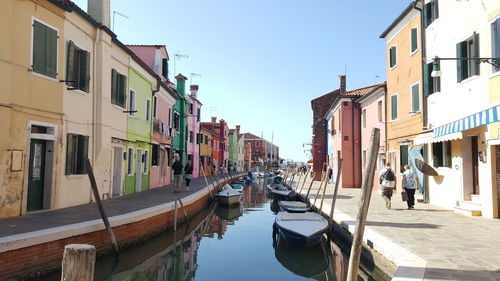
<point x="193" y="129"/>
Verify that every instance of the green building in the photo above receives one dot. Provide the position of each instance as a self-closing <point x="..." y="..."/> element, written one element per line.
<point x="233" y="147"/>
<point x="179" y="118"/>
<point x="139" y="126"/>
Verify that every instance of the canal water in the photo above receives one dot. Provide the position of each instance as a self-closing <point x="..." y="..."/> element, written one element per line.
<point x="223" y="243"/>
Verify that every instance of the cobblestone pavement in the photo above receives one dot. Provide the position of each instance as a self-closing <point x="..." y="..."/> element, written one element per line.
<point x="454" y="246"/>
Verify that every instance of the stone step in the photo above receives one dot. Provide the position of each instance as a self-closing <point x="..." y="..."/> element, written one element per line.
<point x="468" y="208"/>
<point x="476" y="198"/>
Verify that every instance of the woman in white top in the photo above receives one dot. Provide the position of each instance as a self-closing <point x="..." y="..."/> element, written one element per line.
<point x="410" y="185"/>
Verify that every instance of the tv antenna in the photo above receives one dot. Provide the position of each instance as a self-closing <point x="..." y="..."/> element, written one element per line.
<point x="120" y="14"/>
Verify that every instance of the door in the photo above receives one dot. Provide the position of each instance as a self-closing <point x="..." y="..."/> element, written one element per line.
<point x="475" y="165"/>
<point x="117" y="171"/>
<point x="138" y="170"/>
<point x="162" y="166"/>
<point x="36" y="175"/>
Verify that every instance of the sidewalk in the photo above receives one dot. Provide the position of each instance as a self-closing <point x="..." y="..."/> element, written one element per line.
<point x="427" y="243"/>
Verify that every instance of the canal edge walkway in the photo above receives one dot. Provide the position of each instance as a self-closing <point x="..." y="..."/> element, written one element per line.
<point x="428" y="243"/>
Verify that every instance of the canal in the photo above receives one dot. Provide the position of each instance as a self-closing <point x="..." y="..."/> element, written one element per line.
<point x="223" y="243"/>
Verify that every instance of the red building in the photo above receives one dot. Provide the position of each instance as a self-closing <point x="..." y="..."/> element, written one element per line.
<point x="320" y="107"/>
<point x="220" y="143"/>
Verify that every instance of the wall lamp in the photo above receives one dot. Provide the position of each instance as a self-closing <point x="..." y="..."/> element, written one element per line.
<point x="436" y="70"/>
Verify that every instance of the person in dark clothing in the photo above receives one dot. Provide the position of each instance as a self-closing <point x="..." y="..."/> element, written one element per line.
<point x="188" y="174"/>
<point x="177" y="167"/>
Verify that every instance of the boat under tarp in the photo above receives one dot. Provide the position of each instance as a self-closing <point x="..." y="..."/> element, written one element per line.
<point x="293" y="206"/>
<point x="228" y="196"/>
<point x="301" y="228"/>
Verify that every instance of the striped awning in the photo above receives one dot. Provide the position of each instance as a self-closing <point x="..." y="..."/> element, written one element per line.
<point x="481" y="118"/>
<point x="429" y="138"/>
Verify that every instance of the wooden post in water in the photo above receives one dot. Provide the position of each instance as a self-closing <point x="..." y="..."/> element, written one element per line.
<point x="320" y="185"/>
<point x="78" y="262"/>
<point x="184" y="211"/>
<point x="291" y="180"/>
<point x="305" y="178"/>
<point x="175" y="215"/>
<point x="364" y="203"/>
<point x="328" y="172"/>
<point x="206" y="181"/>
<point x="104" y="217"/>
<point x="337" y="180"/>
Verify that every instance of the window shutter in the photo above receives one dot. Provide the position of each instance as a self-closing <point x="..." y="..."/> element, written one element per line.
<point x="475" y="54"/>
<point x="84" y="71"/>
<point x="459" y="63"/>
<point x="83" y="142"/>
<point x="39" y="31"/>
<point x="394" y="107"/>
<point x="70" y="63"/>
<point x="113" y="86"/>
<point x="51" y="52"/>
<point x="69" y="154"/>
<point x="427" y="79"/>
<point x="415" y="98"/>
<point x="414" y="42"/>
<point x="435" y="11"/>
<point x="426" y="15"/>
<point x="121" y="91"/>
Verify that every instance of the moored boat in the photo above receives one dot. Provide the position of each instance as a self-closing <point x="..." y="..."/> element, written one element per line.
<point x="281" y="192"/>
<point x="228" y="196"/>
<point x="301" y="228"/>
<point x="293" y="206"/>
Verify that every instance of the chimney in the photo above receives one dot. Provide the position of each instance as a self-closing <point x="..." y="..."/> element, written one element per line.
<point x="181" y="84"/>
<point x="342" y="84"/>
<point x="214" y="119"/>
<point x="99" y="10"/>
<point x="237" y="129"/>
<point x="194" y="91"/>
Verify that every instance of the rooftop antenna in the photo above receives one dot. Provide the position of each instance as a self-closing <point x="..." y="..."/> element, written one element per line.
<point x="179" y="56"/>
<point x="120" y="14"/>
<point x="213" y="110"/>
<point x="192" y="75"/>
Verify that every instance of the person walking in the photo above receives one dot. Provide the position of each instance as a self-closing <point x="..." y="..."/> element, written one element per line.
<point x="188" y="174"/>
<point x="410" y="185"/>
<point x="388" y="182"/>
<point x="177" y="167"/>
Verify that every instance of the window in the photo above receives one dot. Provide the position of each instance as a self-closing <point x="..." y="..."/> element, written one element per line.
<point x="415" y="98"/>
<point x="380" y="111"/>
<point x="198" y="114"/>
<point x="130" y="163"/>
<point x="363" y="116"/>
<point x="118" y="88"/>
<point x="169" y="117"/>
<point x="414" y="40"/>
<point x="403" y="157"/>
<point x="394" y="107"/>
<point x="155" y="105"/>
<point x="468" y="49"/>
<point x="392" y="57"/>
<point x="76" y="154"/>
<point x="164" y="68"/>
<point x="78" y="68"/>
<point x="206" y="139"/>
<point x="441" y="154"/>
<point x="257" y="144"/>
<point x="431" y="12"/>
<point x="176" y="121"/>
<point x="191" y="136"/>
<point x="432" y="84"/>
<point x="44" y="50"/>
<point x="155" y="154"/>
<point x="190" y="108"/>
<point x="131" y="103"/>
<point x="148" y="110"/>
<point x="495" y="43"/>
<point x="145" y="160"/>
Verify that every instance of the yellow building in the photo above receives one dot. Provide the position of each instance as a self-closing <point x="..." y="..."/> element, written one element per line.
<point x="31" y="104"/>
<point x="404" y="88"/>
<point x="205" y="151"/>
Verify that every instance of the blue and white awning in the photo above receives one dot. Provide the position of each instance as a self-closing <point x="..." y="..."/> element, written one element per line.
<point x="481" y="118"/>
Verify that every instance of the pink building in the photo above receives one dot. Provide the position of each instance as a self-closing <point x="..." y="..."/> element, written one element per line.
<point x="344" y="135"/>
<point x="193" y="133"/>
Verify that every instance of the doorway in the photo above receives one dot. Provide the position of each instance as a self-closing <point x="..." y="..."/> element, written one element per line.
<point x="475" y="165"/>
<point x="138" y="170"/>
<point x="36" y="175"/>
<point x="117" y="171"/>
<point x="497" y="177"/>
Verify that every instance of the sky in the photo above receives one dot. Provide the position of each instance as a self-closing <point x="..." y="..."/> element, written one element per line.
<point x="262" y="61"/>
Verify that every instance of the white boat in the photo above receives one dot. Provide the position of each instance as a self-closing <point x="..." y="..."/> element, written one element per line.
<point x="228" y="196"/>
<point x="293" y="206"/>
<point x="280" y="192"/>
<point x="301" y="228"/>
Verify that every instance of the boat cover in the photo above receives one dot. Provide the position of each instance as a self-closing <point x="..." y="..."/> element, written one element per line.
<point x="293" y="204"/>
<point x="309" y="216"/>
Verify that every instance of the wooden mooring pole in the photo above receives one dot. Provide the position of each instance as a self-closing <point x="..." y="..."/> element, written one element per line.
<point x="320" y="185"/>
<point x="328" y="172"/>
<point x="305" y="178"/>
<point x="364" y="203"/>
<point x="183" y="211"/>
<point x="298" y="182"/>
<point x="78" y="262"/>
<point x="175" y="216"/>
<point x="206" y="181"/>
<point x="337" y="181"/>
<point x="104" y="217"/>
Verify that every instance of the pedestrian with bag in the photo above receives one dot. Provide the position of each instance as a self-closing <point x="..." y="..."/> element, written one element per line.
<point x="388" y="182"/>
<point x="177" y="168"/>
<point x="188" y="174"/>
<point x="410" y="185"/>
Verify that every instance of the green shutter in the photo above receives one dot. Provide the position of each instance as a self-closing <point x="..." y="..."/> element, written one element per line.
<point x="415" y="98"/>
<point x="121" y="92"/>
<point x="475" y="54"/>
<point x="84" y="78"/>
<point x="414" y="42"/>
<point x="392" y="54"/>
<point x="460" y="69"/>
<point x="435" y="7"/>
<point x="495" y="43"/>
<point x="69" y="154"/>
<point x="394" y="107"/>
<point x="84" y="153"/>
<point x="39" y="31"/>
<point x="69" y="64"/>
<point x="51" y="53"/>
<point x="113" y="86"/>
<point x="427" y="79"/>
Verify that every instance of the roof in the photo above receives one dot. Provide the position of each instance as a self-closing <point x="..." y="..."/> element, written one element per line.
<point x="361" y="91"/>
<point x="398" y="19"/>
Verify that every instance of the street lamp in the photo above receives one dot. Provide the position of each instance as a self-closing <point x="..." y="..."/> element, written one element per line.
<point x="436" y="70"/>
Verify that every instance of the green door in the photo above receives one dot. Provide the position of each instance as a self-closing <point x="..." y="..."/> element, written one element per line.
<point x="36" y="175"/>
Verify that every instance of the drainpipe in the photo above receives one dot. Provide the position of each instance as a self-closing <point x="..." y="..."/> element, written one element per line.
<point x="352" y="141"/>
<point x="94" y="86"/>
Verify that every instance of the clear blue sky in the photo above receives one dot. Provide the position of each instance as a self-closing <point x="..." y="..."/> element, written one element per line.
<point x="263" y="61"/>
